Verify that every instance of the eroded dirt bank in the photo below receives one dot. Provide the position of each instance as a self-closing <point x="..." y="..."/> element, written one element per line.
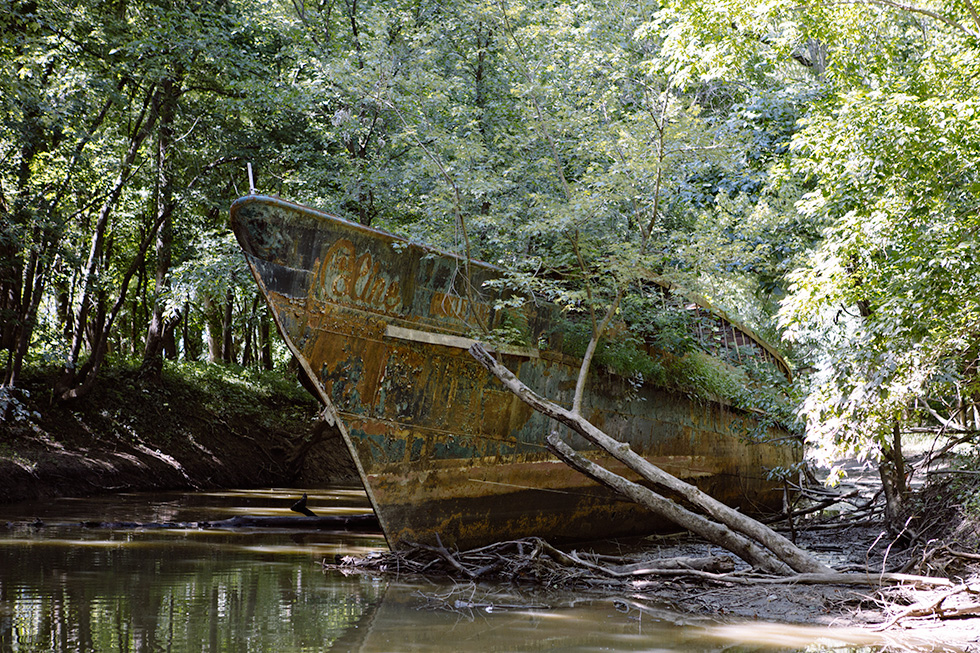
<point x="198" y="428"/>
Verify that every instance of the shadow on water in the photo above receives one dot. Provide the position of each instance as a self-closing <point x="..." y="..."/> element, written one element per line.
<point x="64" y="587"/>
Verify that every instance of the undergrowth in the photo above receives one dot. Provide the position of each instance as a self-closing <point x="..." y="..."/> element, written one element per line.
<point x="222" y="389"/>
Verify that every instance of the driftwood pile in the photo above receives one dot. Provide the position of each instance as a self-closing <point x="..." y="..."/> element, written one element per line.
<point x="531" y="561"/>
<point x="534" y="563"/>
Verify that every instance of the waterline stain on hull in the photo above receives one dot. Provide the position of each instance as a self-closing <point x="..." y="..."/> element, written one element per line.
<point x="381" y="328"/>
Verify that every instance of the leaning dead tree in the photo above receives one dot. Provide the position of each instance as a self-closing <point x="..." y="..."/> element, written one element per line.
<point x="720" y="524"/>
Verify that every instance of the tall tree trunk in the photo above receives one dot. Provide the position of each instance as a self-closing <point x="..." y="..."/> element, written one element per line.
<point x="212" y="325"/>
<point x="134" y="320"/>
<point x="159" y="327"/>
<point x="193" y="344"/>
<point x="11" y="274"/>
<point x="265" y="335"/>
<point x="27" y="322"/>
<point x="248" y="343"/>
<point x="15" y="293"/>
<point x="170" y="339"/>
<point x="84" y="379"/>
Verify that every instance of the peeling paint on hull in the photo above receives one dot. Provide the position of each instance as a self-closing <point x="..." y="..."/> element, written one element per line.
<point x="381" y="327"/>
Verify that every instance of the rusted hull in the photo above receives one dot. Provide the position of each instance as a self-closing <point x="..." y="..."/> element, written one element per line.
<point x="381" y="328"/>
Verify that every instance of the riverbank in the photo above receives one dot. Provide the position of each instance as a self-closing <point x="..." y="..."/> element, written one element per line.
<point x="203" y="426"/>
<point x="932" y="612"/>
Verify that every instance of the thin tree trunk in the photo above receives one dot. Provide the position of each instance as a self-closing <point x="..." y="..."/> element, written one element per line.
<point x="15" y="294"/>
<point x="16" y="333"/>
<point x="84" y="381"/>
<point x="134" y="321"/>
<point x="48" y="234"/>
<point x="265" y="335"/>
<point x="144" y="125"/>
<point x="227" y="339"/>
<point x="248" y="354"/>
<point x="24" y="328"/>
<point x="212" y="323"/>
<point x="170" y="338"/>
<point x="893" y="482"/>
<point x="192" y="345"/>
<point x="66" y="294"/>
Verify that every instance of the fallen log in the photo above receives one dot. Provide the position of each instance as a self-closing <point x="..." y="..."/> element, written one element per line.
<point x="829" y="578"/>
<point x="720" y="534"/>
<point x="367" y="522"/>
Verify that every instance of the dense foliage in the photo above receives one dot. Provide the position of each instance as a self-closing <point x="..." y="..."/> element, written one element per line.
<point x="810" y="169"/>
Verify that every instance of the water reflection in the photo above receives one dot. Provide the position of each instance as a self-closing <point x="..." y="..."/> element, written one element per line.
<point x="68" y="588"/>
<point x="64" y="587"/>
<point x="418" y="619"/>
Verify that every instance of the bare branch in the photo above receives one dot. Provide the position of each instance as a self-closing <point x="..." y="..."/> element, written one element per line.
<point x="973" y="12"/>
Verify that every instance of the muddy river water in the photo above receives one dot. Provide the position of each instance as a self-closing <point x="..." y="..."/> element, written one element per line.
<point x="68" y="587"/>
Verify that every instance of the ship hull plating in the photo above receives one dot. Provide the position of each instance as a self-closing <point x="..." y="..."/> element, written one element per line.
<point x="381" y="328"/>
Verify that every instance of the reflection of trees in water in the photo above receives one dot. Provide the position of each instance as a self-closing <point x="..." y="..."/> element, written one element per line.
<point x="128" y="592"/>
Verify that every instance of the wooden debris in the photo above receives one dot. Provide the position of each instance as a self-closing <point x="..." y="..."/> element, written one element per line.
<point x="366" y="522"/>
<point x="935" y="607"/>
<point x="534" y="561"/>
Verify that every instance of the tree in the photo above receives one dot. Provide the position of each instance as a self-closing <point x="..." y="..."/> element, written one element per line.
<point x="753" y="152"/>
<point x="51" y="120"/>
<point x="884" y="303"/>
<point x="890" y="291"/>
<point x="106" y="135"/>
<point x="209" y="283"/>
